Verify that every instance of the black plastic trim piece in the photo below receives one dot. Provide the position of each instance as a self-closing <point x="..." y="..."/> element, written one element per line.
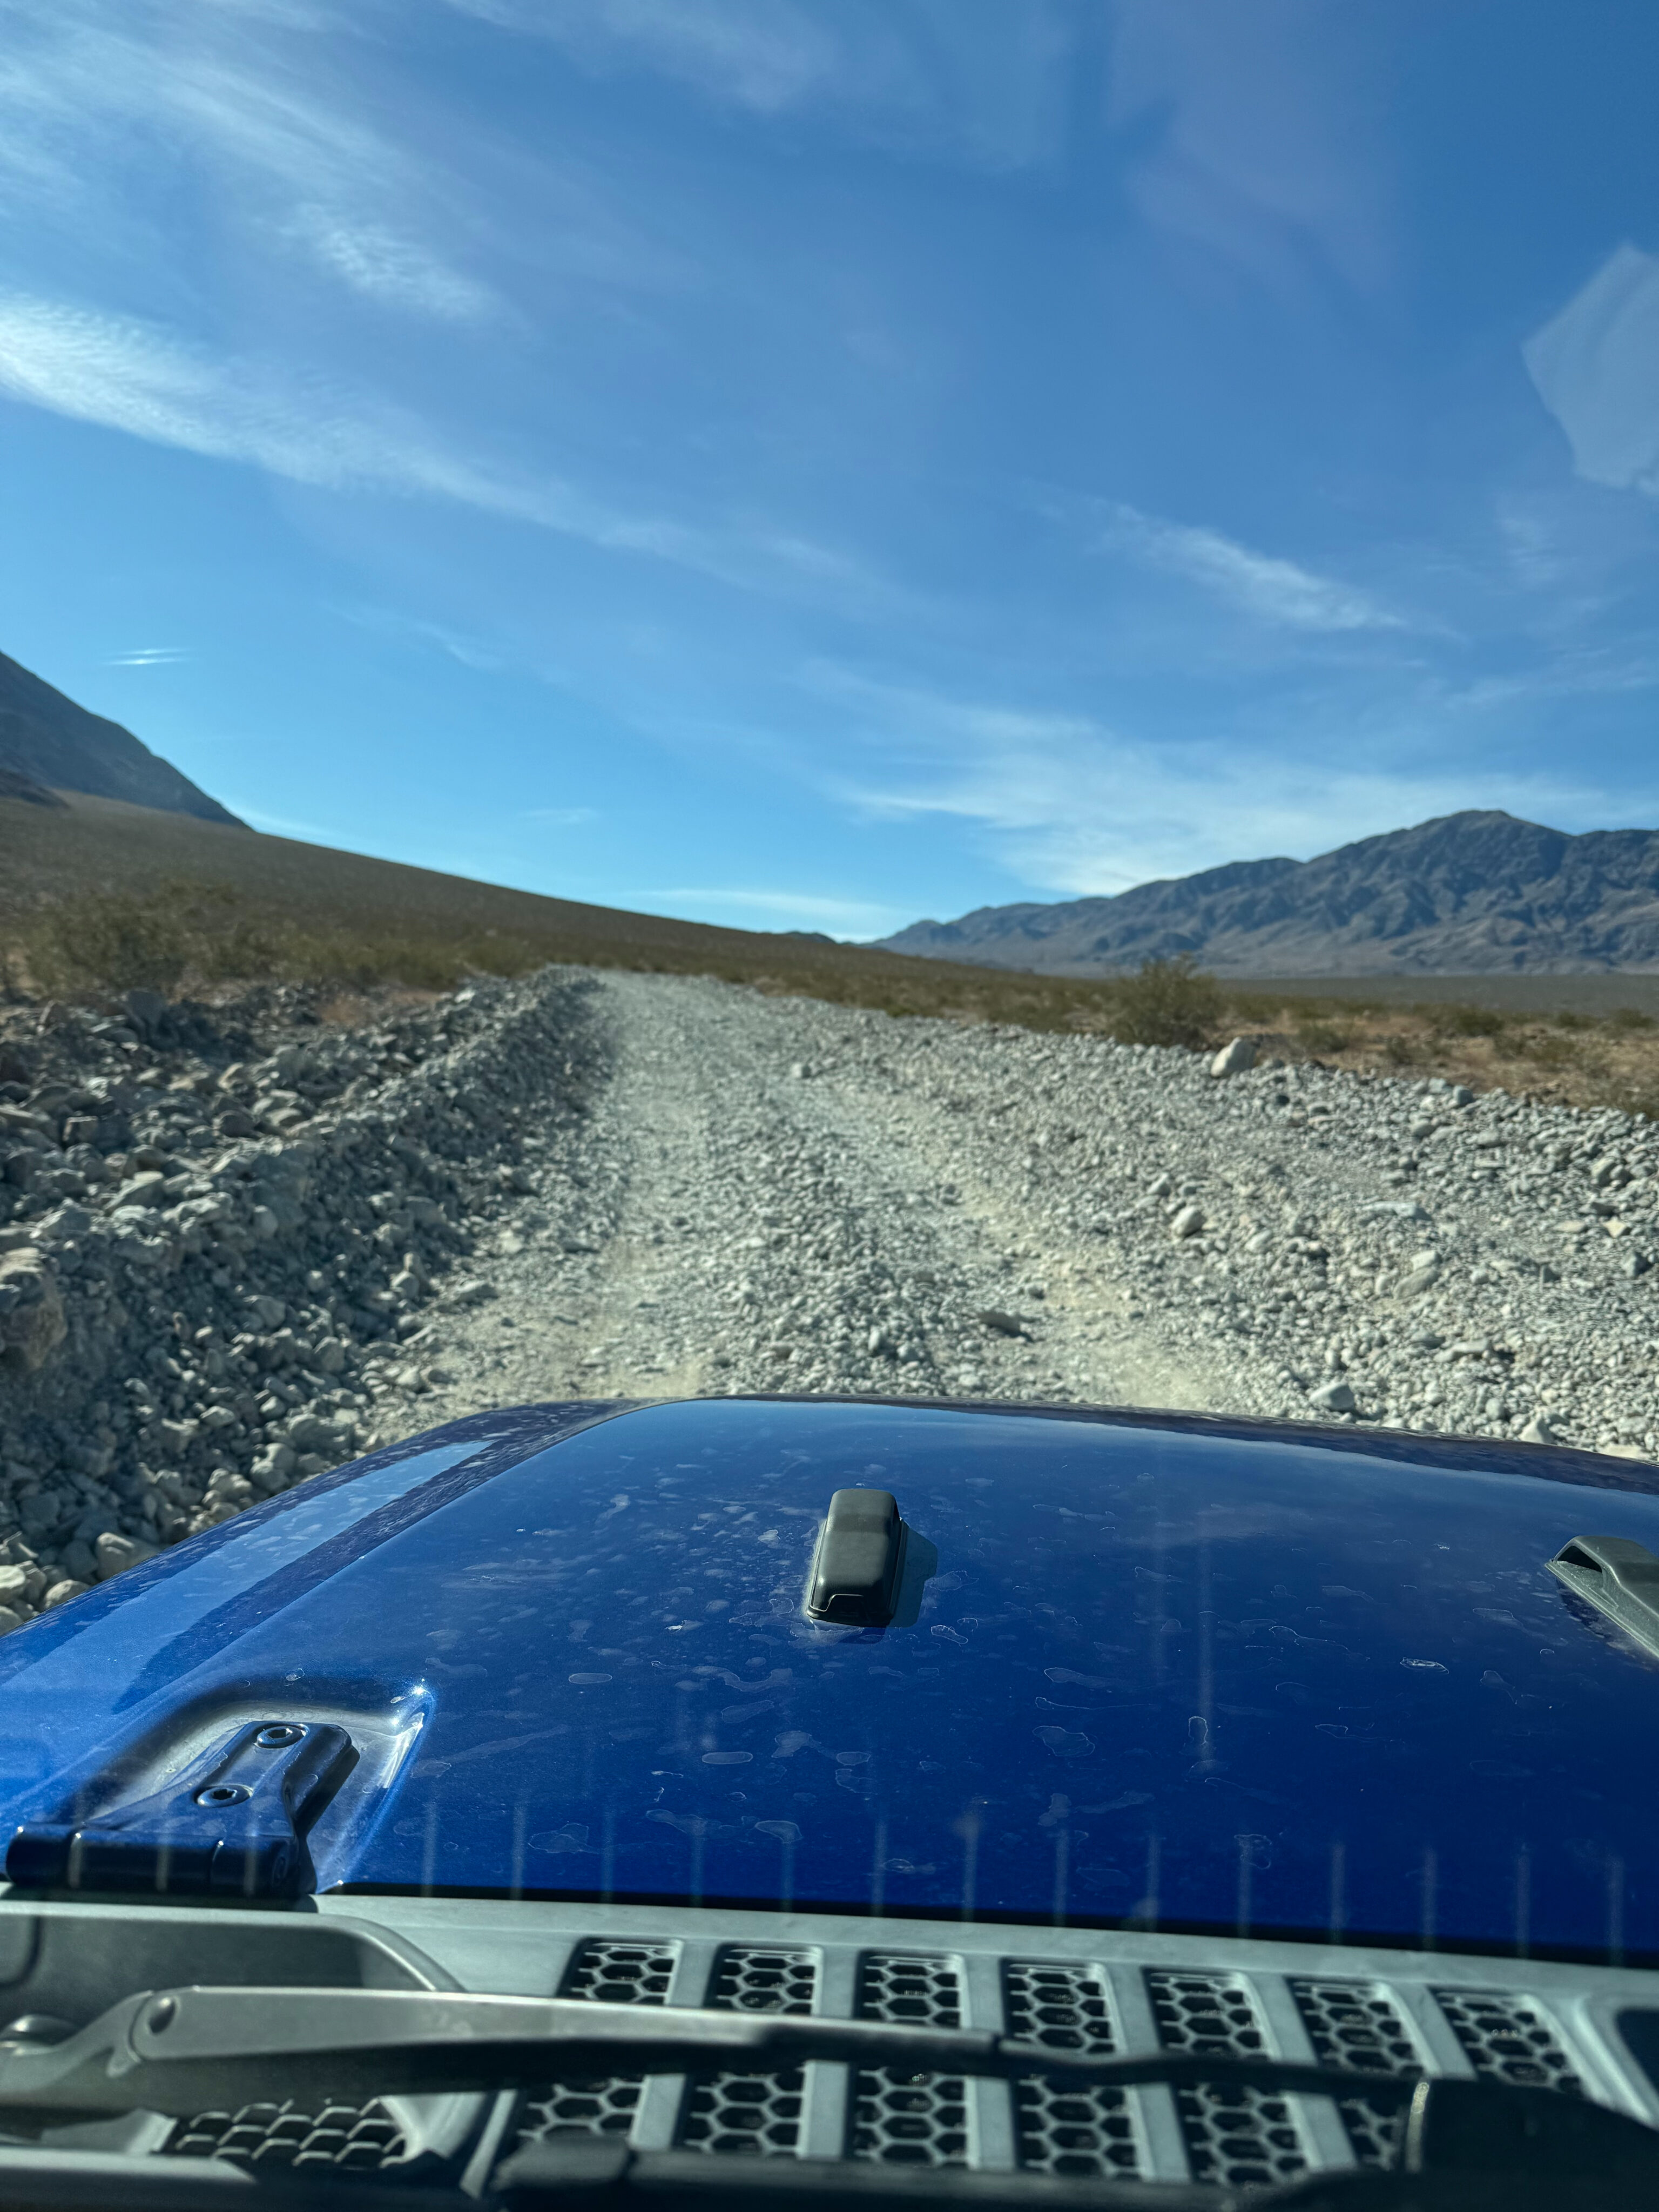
<point x="858" y="1561"/>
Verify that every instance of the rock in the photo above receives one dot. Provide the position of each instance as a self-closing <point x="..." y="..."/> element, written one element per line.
<point x="1462" y="1095"/>
<point x="1333" y="1397"/>
<point x="32" y="1321"/>
<point x="114" y="1553"/>
<point x="1188" y="1222"/>
<point x="1005" y="1324"/>
<point x="147" y="1011"/>
<point x="1160" y="1186"/>
<point x="10" y="1619"/>
<point x="1538" y="1431"/>
<point x="79" y="1560"/>
<point x="1235" y="1059"/>
<point x="62" y="1592"/>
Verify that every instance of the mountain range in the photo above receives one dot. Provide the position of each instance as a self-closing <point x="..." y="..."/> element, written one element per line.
<point x="49" y="745"/>
<point x="1476" y="892"/>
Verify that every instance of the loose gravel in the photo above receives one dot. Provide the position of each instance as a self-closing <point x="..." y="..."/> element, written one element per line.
<point x="244" y="1245"/>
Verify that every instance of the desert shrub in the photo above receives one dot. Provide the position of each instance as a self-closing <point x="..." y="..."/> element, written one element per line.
<point x="1469" y="1022"/>
<point x="1168" y="1002"/>
<point x="1314" y="1034"/>
<point x="1571" y="1021"/>
<point x="1399" y="1050"/>
<point x="1552" y="1051"/>
<point x="1628" y="1017"/>
<point x="112" y="941"/>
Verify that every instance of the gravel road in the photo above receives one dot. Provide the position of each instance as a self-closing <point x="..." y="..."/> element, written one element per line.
<point x="779" y="1194"/>
<point x="240" y="1244"/>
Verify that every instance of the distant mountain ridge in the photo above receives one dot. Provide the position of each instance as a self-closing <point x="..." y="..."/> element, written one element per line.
<point x="1465" y="894"/>
<point x="48" y="743"/>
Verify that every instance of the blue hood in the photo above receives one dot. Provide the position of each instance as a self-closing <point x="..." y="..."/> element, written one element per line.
<point x="1188" y="1673"/>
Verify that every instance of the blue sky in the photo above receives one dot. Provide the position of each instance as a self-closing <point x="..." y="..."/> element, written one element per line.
<point x="814" y="463"/>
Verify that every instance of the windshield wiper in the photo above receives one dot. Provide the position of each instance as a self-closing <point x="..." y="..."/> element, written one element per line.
<point x="196" y="2049"/>
<point x="187" y="2049"/>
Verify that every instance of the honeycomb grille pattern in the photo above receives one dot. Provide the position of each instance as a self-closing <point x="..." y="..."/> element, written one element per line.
<point x="580" y="2108"/>
<point x="347" y="2136"/>
<point x="604" y="1972"/>
<point x="1242" y="2136"/>
<point x="916" y="2119"/>
<point x="911" y="2119"/>
<point x="1077" y="2131"/>
<point x="1507" y="2039"/>
<point x="921" y="1989"/>
<point x="609" y="1972"/>
<point x="754" y="2115"/>
<point x="1245" y="2138"/>
<point x="1064" y="2007"/>
<point x="755" y="1980"/>
<point x="1355" y="2025"/>
<point x="1374" y="2128"/>
<point x="1211" y="2014"/>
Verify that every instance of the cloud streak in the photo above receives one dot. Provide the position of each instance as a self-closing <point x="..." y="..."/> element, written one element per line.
<point x="1078" y="809"/>
<point x="1262" y="584"/>
<point x="969" y="79"/>
<point x="136" y="377"/>
<point x="849" y="917"/>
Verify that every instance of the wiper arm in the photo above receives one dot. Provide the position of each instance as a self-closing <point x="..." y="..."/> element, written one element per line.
<point x="187" y="2049"/>
<point x="198" y="2049"/>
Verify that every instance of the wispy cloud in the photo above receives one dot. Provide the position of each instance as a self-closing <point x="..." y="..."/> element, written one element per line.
<point x="1595" y="366"/>
<point x="137" y="378"/>
<point x="1263" y="584"/>
<point x="560" y="817"/>
<point x="283" y="825"/>
<point x="973" y="80"/>
<point x="1075" y="808"/>
<point x="149" y="656"/>
<point x="846" y="917"/>
<point x="396" y="271"/>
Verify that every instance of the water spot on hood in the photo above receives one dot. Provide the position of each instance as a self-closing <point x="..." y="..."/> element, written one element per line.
<point x="572" y="1838"/>
<point x="1064" y="1743"/>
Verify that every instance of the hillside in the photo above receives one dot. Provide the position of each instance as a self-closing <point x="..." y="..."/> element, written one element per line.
<point x="1471" y="893"/>
<point x="48" y="743"/>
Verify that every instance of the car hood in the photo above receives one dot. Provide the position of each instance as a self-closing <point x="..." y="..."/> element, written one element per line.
<point x="1174" y="1671"/>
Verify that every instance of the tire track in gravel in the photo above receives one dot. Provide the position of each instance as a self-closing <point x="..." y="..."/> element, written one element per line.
<point x="728" y="1218"/>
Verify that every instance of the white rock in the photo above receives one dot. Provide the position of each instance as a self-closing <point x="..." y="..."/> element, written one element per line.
<point x="1236" y="1058"/>
<point x="1335" y="1397"/>
<point x="61" y="1593"/>
<point x="1188" y="1222"/>
<point x="1538" y="1431"/>
<point x="115" y="1553"/>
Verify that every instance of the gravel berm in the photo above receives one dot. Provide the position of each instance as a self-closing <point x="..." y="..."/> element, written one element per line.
<point x="239" y="1245"/>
